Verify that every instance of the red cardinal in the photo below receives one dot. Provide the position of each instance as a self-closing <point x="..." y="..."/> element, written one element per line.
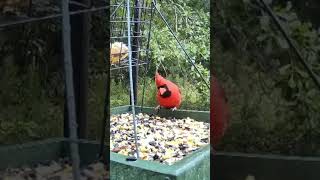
<point x="168" y="94"/>
<point x="220" y="113"/>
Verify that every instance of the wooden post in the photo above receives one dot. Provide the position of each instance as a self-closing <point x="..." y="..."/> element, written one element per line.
<point x="80" y="57"/>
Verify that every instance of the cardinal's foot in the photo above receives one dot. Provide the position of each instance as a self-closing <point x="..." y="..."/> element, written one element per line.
<point x="157" y="108"/>
<point x="174" y="109"/>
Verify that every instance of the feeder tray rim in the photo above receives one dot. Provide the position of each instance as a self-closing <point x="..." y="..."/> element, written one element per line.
<point x="45" y="141"/>
<point x="178" y="167"/>
<point x="267" y="156"/>
<point x="148" y="107"/>
<point x="175" y="169"/>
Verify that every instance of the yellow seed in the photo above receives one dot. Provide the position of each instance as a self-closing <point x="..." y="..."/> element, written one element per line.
<point x="143" y="149"/>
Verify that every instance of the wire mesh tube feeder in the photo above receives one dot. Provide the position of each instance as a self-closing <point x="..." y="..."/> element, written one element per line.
<point x="130" y="20"/>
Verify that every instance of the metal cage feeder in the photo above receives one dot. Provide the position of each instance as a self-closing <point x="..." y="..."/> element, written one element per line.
<point x="133" y="34"/>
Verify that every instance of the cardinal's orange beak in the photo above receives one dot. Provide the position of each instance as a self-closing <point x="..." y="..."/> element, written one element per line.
<point x="162" y="91"/>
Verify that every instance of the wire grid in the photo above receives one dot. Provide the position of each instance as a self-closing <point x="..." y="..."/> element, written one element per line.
<point x="130" y="24"/>
<point x="141" y="19"/>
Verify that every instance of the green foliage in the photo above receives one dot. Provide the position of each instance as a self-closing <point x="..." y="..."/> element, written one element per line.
<point x="190" y="22"/>
<point x="26" y="112"/>
<point x="31" y="84"/>
<point x="191" y="25"/>
<point x="275" y="104"/>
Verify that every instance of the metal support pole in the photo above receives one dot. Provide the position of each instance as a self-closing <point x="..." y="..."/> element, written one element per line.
<point x="131" y="79"/>
<point x="136" y="47"/>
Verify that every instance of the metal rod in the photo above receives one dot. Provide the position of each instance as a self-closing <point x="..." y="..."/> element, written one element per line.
<point x="123" y="67"/>
<point x="314" y="77"/>
<point x="188" y="57"/>
<point x="140" y="50"/>
<point x="147" y="57"/>
<point x="117" y="7"/>
<point x="117" y="30"/>
<point x="35" y="19"/>
<point x="70" y="89"/>
<point x="136" y="47"/>
<point x="122" y="18"/>
<point x="133" y="7"/>
<point x="131" y="80"/>
<point x="133" y="60"/>
<point x="132" y="21"/>
<point x="122" y="37"/>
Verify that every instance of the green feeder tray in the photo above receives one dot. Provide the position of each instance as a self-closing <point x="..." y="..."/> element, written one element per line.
<point x="195" y="166"/>
<point x="16" y="156"/>
<point x="238" y="166"/>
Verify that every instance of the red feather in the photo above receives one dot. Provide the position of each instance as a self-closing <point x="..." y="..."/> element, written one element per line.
<point x="173" y="99"/>
<point x="220" y="112"/>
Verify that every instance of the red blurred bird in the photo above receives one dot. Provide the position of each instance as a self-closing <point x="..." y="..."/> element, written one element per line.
<point x="220" y="112"/>
<point x="168" y="94"/>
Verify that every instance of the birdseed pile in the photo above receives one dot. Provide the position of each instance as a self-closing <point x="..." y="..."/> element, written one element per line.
<point x="165" y="140"/>
<point x="60" y="170"/>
